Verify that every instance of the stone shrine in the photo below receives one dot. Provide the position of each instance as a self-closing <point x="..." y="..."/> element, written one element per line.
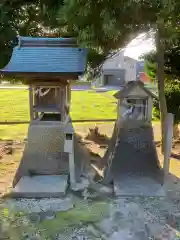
<point x="132" y="161"/>
<point x="48" y="65"/>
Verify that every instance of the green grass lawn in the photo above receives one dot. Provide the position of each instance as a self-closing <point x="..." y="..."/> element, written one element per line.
<point x="85" y="105"/>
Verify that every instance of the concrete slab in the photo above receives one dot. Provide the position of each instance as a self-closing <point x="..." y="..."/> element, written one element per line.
<point x="138" y="186"/>
<point x="41" y="186"/>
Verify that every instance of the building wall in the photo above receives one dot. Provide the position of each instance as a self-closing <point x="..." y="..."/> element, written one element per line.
<point x="130" y="68"/>
<point x="115" y="62"/>
<point x="120" y="62"/>
<point x="113" y="77"/>
<point x="133" y="68"/>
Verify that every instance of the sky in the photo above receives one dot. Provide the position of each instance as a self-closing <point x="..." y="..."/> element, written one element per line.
<point x="140" y="45"/>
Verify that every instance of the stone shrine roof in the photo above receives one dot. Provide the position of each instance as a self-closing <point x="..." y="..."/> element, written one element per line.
<point x="46" y="55"/>
<point x="129" y="87"/>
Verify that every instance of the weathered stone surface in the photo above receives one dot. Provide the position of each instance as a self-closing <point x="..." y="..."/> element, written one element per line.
<point x="107" y="226"/>
<point x="4" y="235"/>
<point x="102" y="189"/>
<point x="49" y="215"/>
<point x="137" y="186"/>
<point x="124" y="234"/>
<point x="141" y="235"/>
<point x="34" y="218"/>
<point x="41" y="186"/>
<point x="43" y="152"/>
<point x="36" y="206"/>
<point x="30" y="236"/>
<point x="134" y="155"/>
<point x="81" y="185"/>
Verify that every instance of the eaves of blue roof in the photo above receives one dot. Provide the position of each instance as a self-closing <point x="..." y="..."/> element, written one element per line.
<point x="47" y="55"/>
<point x="47" y="59"/>
<point x="44" y="39"/>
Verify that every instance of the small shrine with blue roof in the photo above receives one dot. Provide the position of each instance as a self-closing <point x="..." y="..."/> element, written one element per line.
<point x="48" y="65"/>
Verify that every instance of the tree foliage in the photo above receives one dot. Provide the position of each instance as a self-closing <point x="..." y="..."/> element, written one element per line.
<point x="172" y="94"/>
<point x="171" y="61"/>
<point x="17" y="18"/>
<point x="105" y="25"/>
<point x="102" y="26"/>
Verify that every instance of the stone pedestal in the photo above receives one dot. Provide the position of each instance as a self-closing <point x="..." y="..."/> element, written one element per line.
<point x="44" y="151"/>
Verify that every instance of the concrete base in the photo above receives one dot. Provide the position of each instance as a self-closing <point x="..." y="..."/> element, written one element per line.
<point x="41" y="186"/>
<point x="138" y="186"/>
<point x="44" y="151"/>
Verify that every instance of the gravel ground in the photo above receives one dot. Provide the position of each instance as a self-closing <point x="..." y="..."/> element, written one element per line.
<point x="34" y="205"/>
<point x="128" y="218"/>
<point x="135" y="218"/>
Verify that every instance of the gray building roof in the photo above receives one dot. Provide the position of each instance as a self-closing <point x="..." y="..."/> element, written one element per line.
<point x="47" y="55"/>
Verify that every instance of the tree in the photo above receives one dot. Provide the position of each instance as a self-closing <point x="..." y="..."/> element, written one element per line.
<point x="172" y="94"/>
<point x="172" y="77"/>
<point x="102" y="26"/>
<point x="171" y="61"/>
<point x="106" y="25"/>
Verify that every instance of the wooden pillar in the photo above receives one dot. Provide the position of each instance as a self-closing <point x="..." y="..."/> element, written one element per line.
<point x="35" y="103"/>
<point x="69" y="93"/>
<point x="69" y="148"/>
<point x="168" y="144"/>
<point x="72" y="172"/>
<point x="31" y="103"/>
<point x="62" y="103"/>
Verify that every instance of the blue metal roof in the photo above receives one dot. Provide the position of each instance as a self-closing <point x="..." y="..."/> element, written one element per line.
<point x="46" y="55"/>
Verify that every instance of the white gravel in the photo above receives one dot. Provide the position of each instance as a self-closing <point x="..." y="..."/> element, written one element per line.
<point x="46" y="204"/>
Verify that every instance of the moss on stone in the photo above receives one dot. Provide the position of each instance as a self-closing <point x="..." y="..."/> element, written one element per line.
<point x="84" y="213"/>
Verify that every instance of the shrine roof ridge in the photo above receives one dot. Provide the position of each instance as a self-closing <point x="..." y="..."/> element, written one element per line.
<point x="129" y="86"/>
<point x="46" y="42"/>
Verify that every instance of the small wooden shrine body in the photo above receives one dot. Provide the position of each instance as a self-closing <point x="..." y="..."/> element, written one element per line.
<point x="135" y="103"/>
<point x="49" y="101"/>
<point x="48" y="65"/>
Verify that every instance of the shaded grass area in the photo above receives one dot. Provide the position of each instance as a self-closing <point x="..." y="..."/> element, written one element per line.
<point x="14" y="105"/>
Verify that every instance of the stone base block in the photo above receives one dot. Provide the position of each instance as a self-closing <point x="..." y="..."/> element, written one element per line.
<point x="41" y="186"/>
<point x="138" y="186"/>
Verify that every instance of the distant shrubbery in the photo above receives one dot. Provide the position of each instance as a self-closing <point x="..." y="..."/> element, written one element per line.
<point x="172" y="94"/>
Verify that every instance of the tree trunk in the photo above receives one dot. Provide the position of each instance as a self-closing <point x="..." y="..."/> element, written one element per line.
<point x="160" y="80"/>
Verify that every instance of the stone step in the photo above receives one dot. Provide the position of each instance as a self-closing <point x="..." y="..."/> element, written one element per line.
<point x="41" y="186"/>
<point x="138" y="186"/>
